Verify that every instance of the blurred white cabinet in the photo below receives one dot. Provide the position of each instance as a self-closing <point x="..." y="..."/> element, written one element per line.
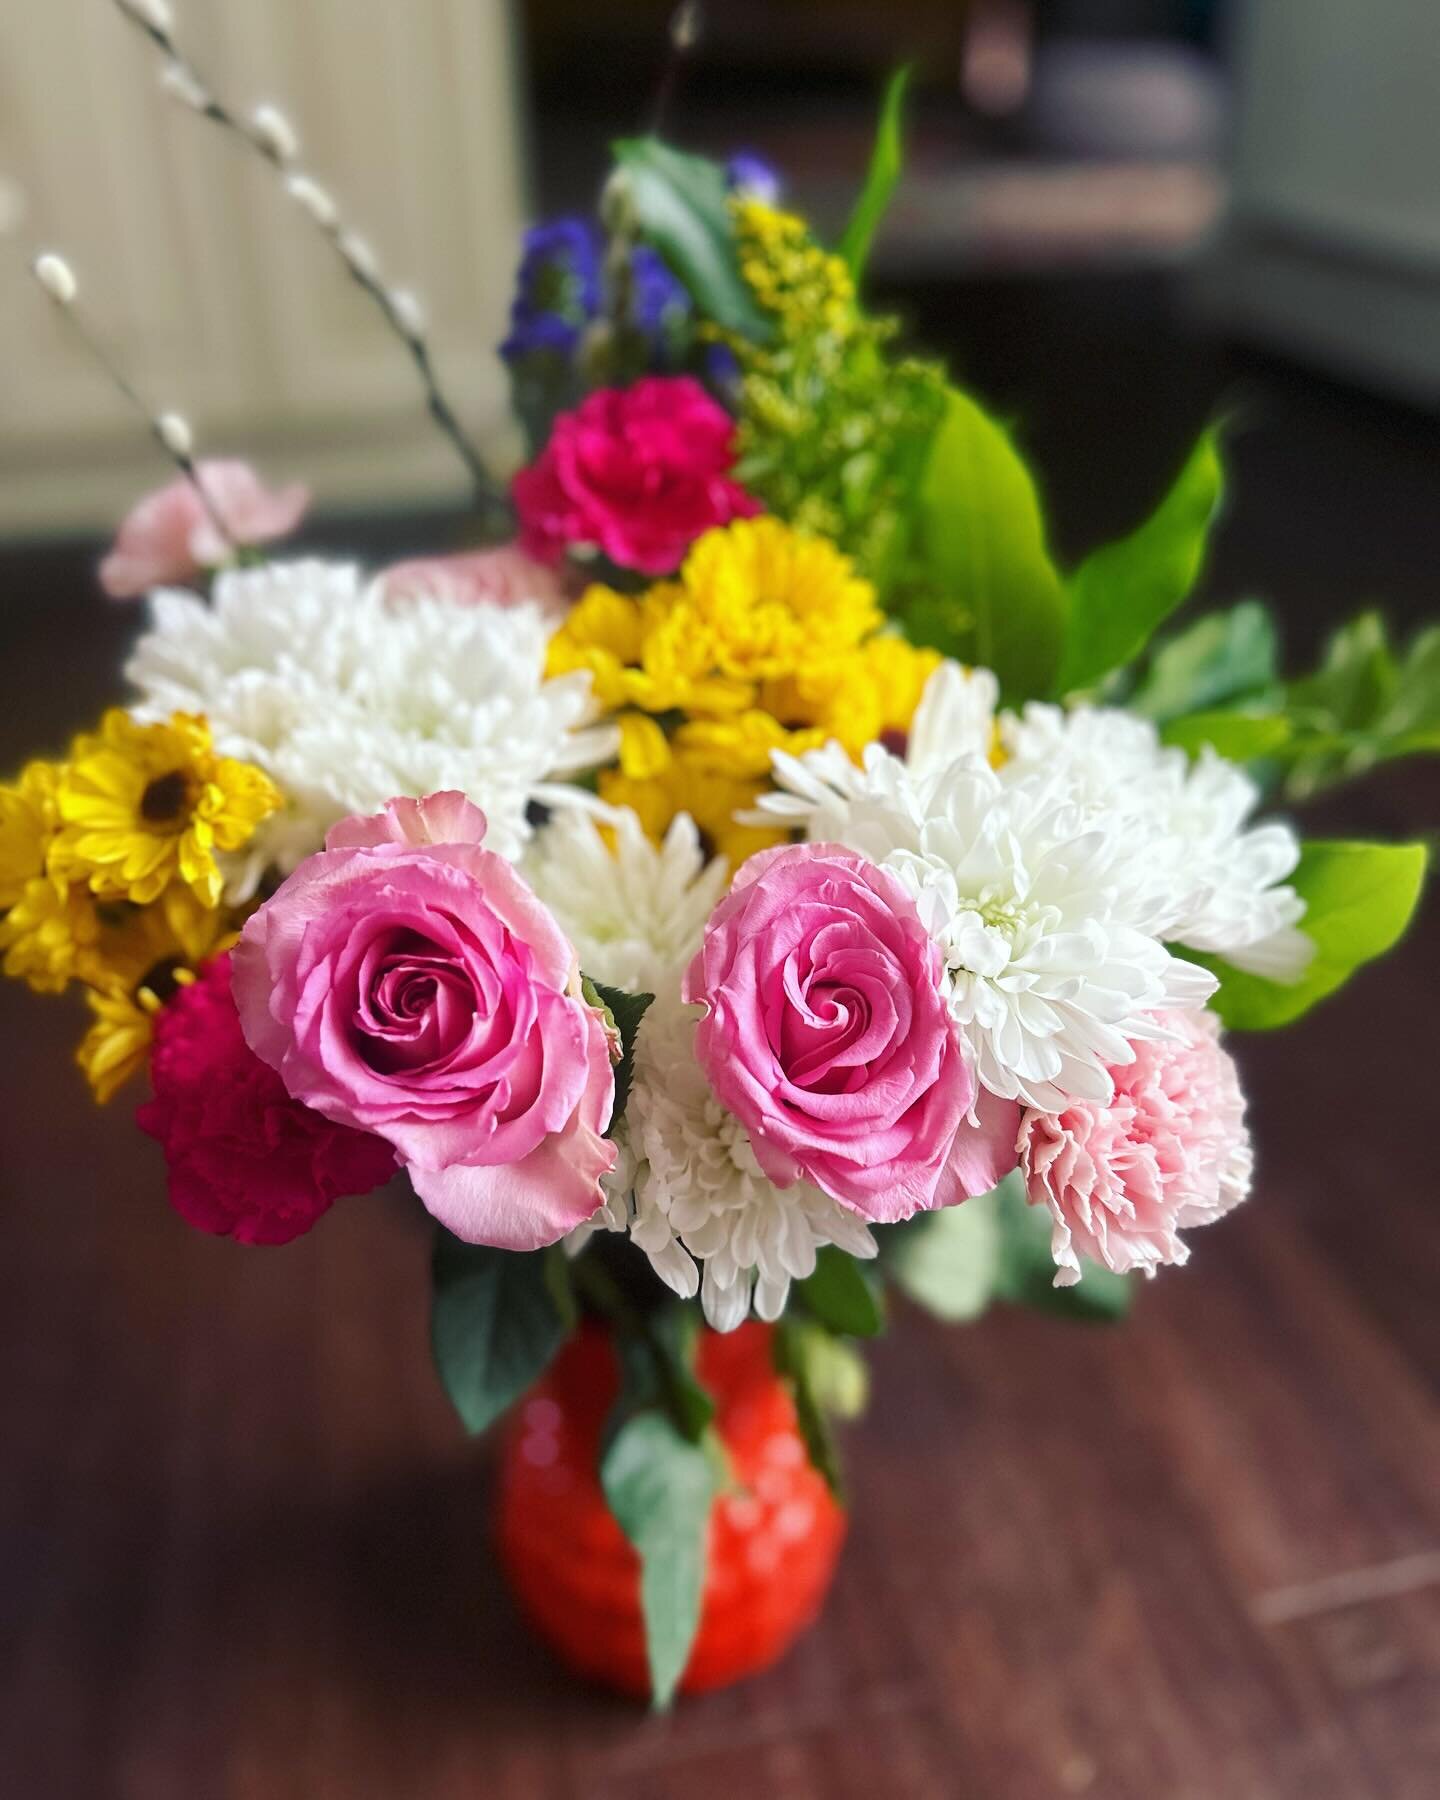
<point x="1333" y="245"/>
<point x="217" y="295"/>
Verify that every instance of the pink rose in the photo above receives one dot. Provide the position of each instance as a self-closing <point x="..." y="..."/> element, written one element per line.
<point x="170" y="535"/>
<point x="639" y="471"/>
<point x="501" y="577"/>
<point x="826" y="1034"/>
<point x="1169" y="1151"/>
<point x="407" y="982"/>
<point x="244" y="1160"/>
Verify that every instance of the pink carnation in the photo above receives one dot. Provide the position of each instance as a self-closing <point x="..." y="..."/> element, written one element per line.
<point x="639" y="472"/>
<point x="407" y="982"/>
<point x="827" y="1036"/>
<point x="245" y="1160"/>
<point x="506" y="576"/>
<point x="170" y="535"/>
<point x="1170" y="1151"/>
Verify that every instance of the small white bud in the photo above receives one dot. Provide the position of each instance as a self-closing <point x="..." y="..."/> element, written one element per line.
<point x="275" y="132"/>
<point x="312" y="198"/>
<point x="409" y="313"/>
<point x="155" y="14"/>
<point x="182" y="84"/>
<point x="685" y="24"/>
<point x="56" y="277"/>
<point x="175" y="434"/>
<point x="361" y="257"/>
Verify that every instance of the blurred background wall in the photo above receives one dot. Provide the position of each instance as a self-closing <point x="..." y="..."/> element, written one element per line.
<point x="1270" y="163"/>
<point x="217" y="296"/>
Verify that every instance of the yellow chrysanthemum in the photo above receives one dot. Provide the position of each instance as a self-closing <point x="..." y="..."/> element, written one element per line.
<point x="143" y="805"/>
<point x="774" y="600"/>
<point x="28" y="821"/>
<point x="711" y="797"/>
<point x="48" y="936"/>
<point x="118" y="1041"/>
<point x="650" y="652"/>
<point x="742" y="746"/>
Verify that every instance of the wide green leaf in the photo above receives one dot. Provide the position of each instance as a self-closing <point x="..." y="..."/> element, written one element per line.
<point x="1026" y="1275"/>
<point x="681" y="203"/>
<point x="660" y="1487"/>
<point x="993" y="596"/>
<point x="495" y="1323"/>
<point x="1124" y="590"/>
<point x="886" y="161"/>
<point x="1224" y="658"/>
<point x="841" y="1295"/>
<point x="1236" y="735"/>
<point x="948" y="1261"/>
<point x="1359" y="898"/>
<point x="625" y="1012"/>
<point x="801" y="1352"/>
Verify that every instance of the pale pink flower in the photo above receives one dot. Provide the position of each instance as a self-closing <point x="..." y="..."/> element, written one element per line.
<point x="827" y="1036"/>
<point x="1170" y="1151"/>
<point x="501" y="577"/>
<point x="408" y="983"/>
<point x="170" y="536"/>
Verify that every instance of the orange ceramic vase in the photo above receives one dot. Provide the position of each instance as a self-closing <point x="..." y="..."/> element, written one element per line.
<point x="774" y="1536"/>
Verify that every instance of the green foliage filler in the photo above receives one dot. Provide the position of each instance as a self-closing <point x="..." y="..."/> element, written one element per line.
<point x="886" y="161"/>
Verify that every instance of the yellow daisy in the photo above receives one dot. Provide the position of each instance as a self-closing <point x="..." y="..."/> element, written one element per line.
<point x="143" y="805"/>
<point x="118" y="1041"/>
<point x="49" y="934"/>
<point x="28" y="822"/>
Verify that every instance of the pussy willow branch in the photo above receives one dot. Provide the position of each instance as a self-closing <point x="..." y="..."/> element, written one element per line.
<point x="168" y="429"/>
<point x="686" y="23"/>
<point x="268" y="136"/>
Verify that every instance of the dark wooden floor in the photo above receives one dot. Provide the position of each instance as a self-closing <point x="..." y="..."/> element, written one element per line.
<point x="244" y="1548"/>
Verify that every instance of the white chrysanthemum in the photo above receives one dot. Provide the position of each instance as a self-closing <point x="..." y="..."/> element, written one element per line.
<point x="1052" y="965"/>
<point x="1218" y="880"/>
<point x="700" y="1197"/>
<point x="346" y="702"/>
<point x="634" y="911"/>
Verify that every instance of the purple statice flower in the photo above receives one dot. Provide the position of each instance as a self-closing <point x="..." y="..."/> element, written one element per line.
<point x="557" y="289"/>
<point x="753" y="178"/>
<point x="659" y="304"/>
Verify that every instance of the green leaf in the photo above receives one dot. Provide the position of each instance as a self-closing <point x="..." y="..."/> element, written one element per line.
<point x="1358" y="900"/>
<point x="886" y="161"/>
<point x="625" y="1013"/>
<point x="1224" y="657"/>
<point x="997" y="599"/>
<point x="840" y="1295"/>
<point x="799" y="1352"/>
<point x="1122" y="591"/>
<point x="494" y="1325"/>
<point x="673" y="1331"/>
<point x="948" y="1261"/>
<point x="1240" y="736"/>
<point x="660" y="1487"/>
<point x="1026" y="1275"/>
<point x="682" y="206"/>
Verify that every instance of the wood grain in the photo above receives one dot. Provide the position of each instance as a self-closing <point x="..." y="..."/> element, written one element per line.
<point x="244" y="1548"/>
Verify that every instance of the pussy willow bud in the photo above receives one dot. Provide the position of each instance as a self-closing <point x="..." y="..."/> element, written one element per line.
<point x="56" y="277"/>
<point x="175" y="434"/>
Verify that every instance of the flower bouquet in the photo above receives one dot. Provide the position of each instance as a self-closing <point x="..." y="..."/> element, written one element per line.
<point x="753" y="879"/>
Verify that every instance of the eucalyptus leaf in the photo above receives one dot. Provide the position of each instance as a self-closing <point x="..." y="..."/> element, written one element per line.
<point x="886" y="161"/>
<point x="1026" y="1274"/>
<point x="1123" y="591"/>
<point x="841" y="1295"/>
<point x="682" y="206"/>
<point x="1359" y="898"/>
<point x="660" y="1487"/>
<point x="495" y="1323"/>
<point x="993" y="596"/>
<point x="1224" y="658"/>
<point x="948" y="1261"/>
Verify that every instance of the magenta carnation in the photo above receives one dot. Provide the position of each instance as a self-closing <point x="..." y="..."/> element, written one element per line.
<point x="639" y="472"/>
<point x="244" y="1159"/>
<point x="407" y="982"/>
<point x="827" y="1035"/>
<point x="1169" y="1151"/>
<point x="171" y="535"/>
